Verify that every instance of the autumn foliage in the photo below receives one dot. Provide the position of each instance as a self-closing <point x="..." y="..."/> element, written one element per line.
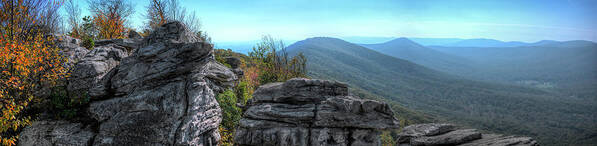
<point x="109" y="17"/>
<point x="110" y="25"/>
<point x="28" y="61"/>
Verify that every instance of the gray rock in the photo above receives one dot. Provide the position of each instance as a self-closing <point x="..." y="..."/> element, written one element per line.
<point x="91" y="68"/>
<point x="501" y="140"/>
<point x="312" y="112"/>
<point x="130" y="44"/>
<point x="163" y="94"/>
<point x="451" y="138"/>
<point x="418" y="130"/>
<point x="233" y="62"/>
<point x="60" y="133"/>
<point x="346" y="111"/>
<point x="70" y="48"/>
<point x="300" y="90"/>
<point x="448" y="134"/>
<point x="134" y="35"/>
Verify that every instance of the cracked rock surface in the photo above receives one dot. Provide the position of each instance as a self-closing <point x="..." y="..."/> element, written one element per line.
<point x="312" y="112"/>
<point x="161" y="94"/>
<point x="436" y="134"/>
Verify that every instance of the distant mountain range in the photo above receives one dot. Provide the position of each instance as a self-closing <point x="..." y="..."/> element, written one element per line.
<point x="550" y="62"/>
<point x="496" y="107"/>
<point x="246" y="46"/>
<point x="455" y="42"/>
<point x="243" y="47"/>
<point x="406" y="49"/>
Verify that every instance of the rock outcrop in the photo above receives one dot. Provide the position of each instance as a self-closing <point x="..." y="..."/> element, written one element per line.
<point x="235" y="63"/>
<point x="91" y="68"/>
<point x="45" y="133"/>
<point x="448" y="134"/>
<point x="70" y="48"/>
<point x="106" y="55"/>
<point x="312" y="112"/>
<point x="163" y="93"/>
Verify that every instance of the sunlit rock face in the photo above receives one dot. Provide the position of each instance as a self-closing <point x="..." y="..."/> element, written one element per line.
<point x="160" y="91"/>
<point x="312" y="112"/>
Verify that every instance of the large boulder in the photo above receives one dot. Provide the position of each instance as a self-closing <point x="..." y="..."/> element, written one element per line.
<point x="435" y="134"/>
<point x="312" y="112"/>
<point x="91" y="68"/>
<point x="163" y="94"/>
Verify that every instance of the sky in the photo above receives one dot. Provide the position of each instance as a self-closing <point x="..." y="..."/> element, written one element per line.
<point x="506" y="20"/>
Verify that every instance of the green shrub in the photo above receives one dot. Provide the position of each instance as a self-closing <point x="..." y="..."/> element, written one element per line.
<point x="231" y="114"/>
<point x="88" y="43"/>
<point x="387" y="139"/>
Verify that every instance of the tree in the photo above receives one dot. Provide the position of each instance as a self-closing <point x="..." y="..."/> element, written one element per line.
<point x="271" y="58"/>
<point x="162" y="11"/>
<point x="28" y="61"/>
<point x="156" y="13"/>
<point x="73" y="12"/>
<point x="43" y="14"/>
<point x="110" y="17"/>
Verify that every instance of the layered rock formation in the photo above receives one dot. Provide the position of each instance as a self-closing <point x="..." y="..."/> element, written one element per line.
<point x="161" y="94"/>
<point x="448" y="134"/>
<point x="46" y="133"/>
<point x="312" y="112"/>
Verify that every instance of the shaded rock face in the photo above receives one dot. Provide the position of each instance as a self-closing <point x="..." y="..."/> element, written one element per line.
<point x="235" y="63"/>
<point x="312" y="112"/>
<point x="161" y="94"/>
<point x="56" y="133"/>
<point x="91" y="68"/>
<point x="447" y="134"/>
<point x="106" y="55"/>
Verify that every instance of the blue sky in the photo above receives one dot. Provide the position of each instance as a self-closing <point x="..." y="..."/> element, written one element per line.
<point x="507" y="20"/>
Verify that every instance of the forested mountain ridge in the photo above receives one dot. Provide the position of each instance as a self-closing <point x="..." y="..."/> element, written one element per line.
<point x="478" y="104"/>
<point x="569" y="66"/>
<point x="406" y="49"/>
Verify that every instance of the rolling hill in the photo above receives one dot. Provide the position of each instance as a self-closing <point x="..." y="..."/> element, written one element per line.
<point x="495" y="107"/>
<point x="479" y="42"/>
<point x="406" y="49"/>
<point x="562" y="64"/>
<point x="568" y="67"/>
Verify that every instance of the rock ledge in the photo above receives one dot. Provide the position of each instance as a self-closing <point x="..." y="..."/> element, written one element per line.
<point x="312" y="112"/>
<point x="447" y="134"/>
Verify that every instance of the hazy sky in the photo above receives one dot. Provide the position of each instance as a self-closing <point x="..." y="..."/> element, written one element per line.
<point x="508" y="20"/>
